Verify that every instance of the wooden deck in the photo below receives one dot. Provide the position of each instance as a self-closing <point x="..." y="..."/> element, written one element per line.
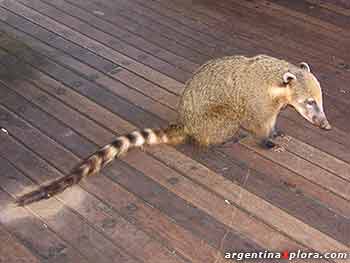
<point x="74" y="73"/>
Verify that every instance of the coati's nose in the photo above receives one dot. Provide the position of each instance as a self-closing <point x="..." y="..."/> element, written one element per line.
<point x="321" y="122"/>
<point x="326" y="126"/>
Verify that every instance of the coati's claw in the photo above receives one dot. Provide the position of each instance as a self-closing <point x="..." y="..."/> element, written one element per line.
<point x="278" y="133"/>
<point x="279" y="149"/>
<point x="287" y="138"/>
<point x="267" y="144"/>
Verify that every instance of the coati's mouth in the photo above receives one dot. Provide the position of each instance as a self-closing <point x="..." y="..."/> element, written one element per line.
<point x="321" y="123"/>
<point x="314" y="114"/>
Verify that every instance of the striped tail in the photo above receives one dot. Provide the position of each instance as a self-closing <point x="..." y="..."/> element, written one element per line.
<point x="174" y="135"/>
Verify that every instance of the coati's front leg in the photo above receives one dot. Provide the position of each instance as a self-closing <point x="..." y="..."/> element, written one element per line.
<point x="277" y="133"/>
<point x="265" y="132"/>
<point x="267" y="143"/>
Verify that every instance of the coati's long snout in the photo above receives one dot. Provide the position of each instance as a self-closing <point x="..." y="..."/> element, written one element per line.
<point x="174" y="134"/>
<point x="314" y="113"/>
<point x="305" y="95"/>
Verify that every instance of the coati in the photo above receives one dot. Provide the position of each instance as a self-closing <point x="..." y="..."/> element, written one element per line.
<point x="223" y="95"/>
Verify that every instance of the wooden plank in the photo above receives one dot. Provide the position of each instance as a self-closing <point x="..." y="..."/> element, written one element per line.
<point x="42" y="100"/>
<point x="317" y="157"/>
<point x="317" y="14"/>
<point x="109" y="41"/>
<point x="55" y="135"/>
<point x="173" y="101"/>
<point x="151" y="220"/>
<point x="226" y="12"/>
<point x="104" y="23"/>
<point x="71" y="62"/>
<point x="32" y="233"/>
<point x="230" y="191"/>
<point x="303" y="188"/>
<point x="52" y="39"/>
<point x="120" y="198"/>
<point x="161" y="201"/>
<point x="128" y="178"/>
<point x="91" y="90"/>
<point x="148" y="3"/>
<point x="335" y="142"/>
<point x="102" y="65"/>
<point x="326" y="41"/>
<point x="155" y="26"/>
<point x="278" y="186"/>
<point x="187" y="39"/>
<point x="259" y="39"/>
<point x="332" y="114"/>
<point x="100" y="22"/>
<point x="337" y="65"/>
<point x="30" y="93"/>
<point x="152" y="119"/>
<point x="342" y="3"/>
<point x="33" y="115"/>
<point x="150" y="16"/>
<point x="93" y="45"/>
<point x="304" y="23"/>
<point x="338" y="9"/>
<point x="63" y="221"/>
<point x="141" y="100"/>
<point x="67" y="224"/>
<point x="91" y="73"/>
<point x="301" y="166"/>
<point x="140" y="30"/>
<point x="251" y="221"/>
<point x="112" y="123"/>
<point x="12" y="251"/>
<point x="143" y="86"/>
<point x="58" y="114"/>
<point x="144" y="168"/>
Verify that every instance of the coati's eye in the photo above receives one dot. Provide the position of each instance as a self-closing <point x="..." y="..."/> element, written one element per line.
<point x="310" y="102"/>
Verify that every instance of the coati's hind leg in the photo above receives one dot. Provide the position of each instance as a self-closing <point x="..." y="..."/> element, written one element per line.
<point x="214" y="132"/>
<point x="216" y="126"/>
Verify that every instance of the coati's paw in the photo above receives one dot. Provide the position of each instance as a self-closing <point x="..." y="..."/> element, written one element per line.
<point x="142" y="148"/>
<point x="267" y="144"/>
<point x="287" y="138"/>
<point x="277" y="133"/>
<point x="279" y="149"/>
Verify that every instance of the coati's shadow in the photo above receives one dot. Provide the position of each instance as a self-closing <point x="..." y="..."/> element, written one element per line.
<point x="23" y="223"/>
<point x="13" y="53"/>
<point x="215" y="159"/>
<point x="36" y="225"/>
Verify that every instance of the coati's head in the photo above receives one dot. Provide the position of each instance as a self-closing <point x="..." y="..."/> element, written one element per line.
<point x="302" y="91"/>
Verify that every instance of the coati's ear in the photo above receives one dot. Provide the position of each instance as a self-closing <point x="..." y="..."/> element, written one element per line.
<point x="305" y="66"/>
<point x="288" y="77"/>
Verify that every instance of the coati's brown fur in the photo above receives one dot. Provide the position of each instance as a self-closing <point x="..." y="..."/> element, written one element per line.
<point x="223" y="96"/>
